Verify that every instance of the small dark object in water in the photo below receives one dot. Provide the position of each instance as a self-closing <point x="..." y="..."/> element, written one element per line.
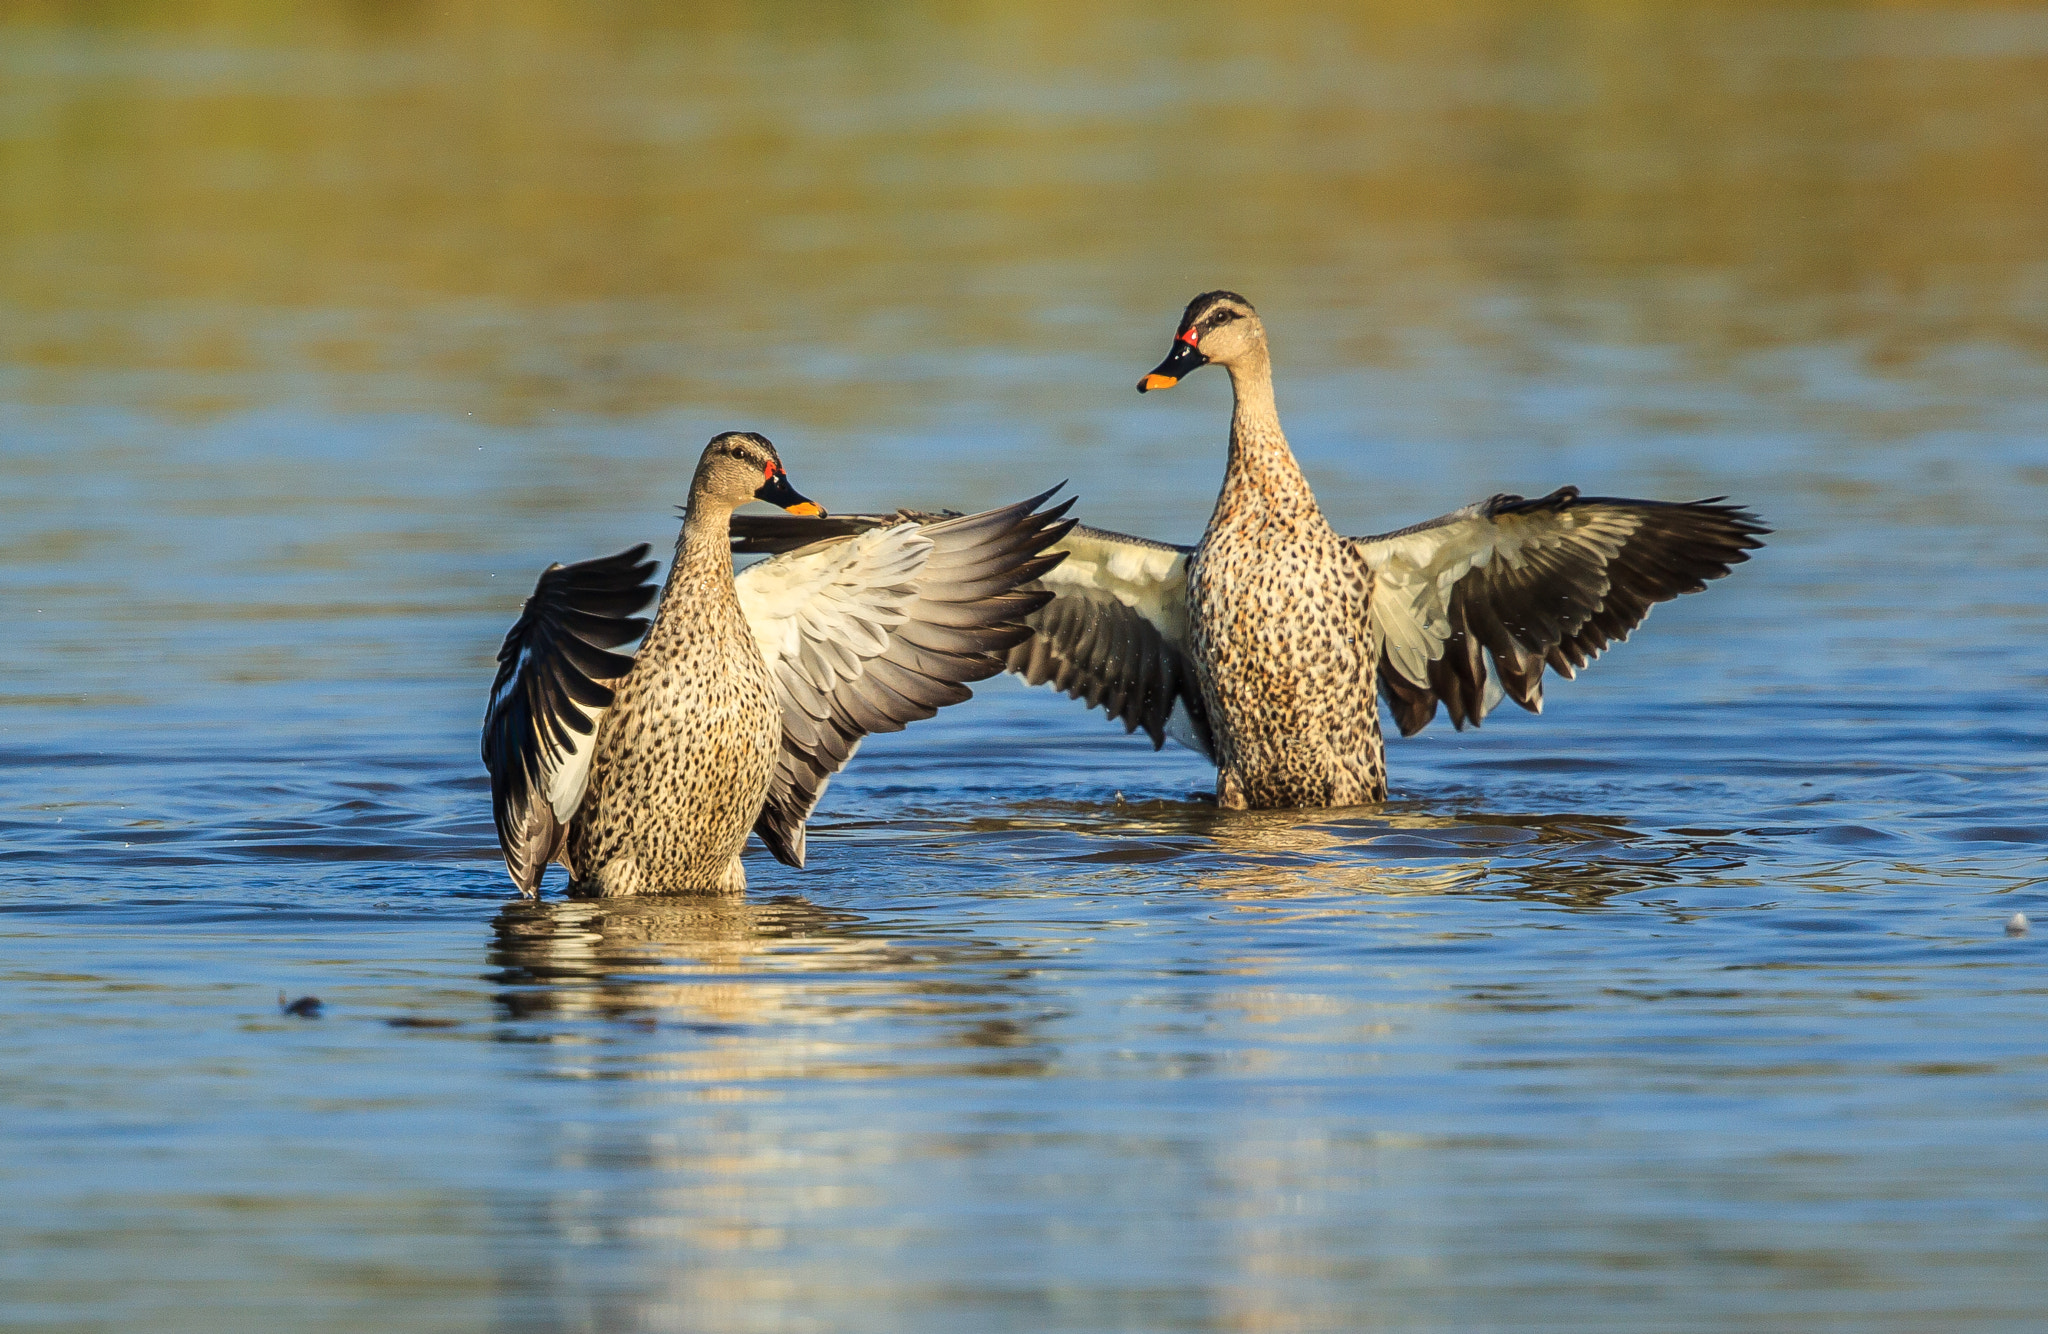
<point x="305" y="1007"/>
<point x="415" y="1021"/>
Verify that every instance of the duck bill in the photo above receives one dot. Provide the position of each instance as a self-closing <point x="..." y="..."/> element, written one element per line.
<point x="776" y="490"/>
<point x="1179" y="364"/>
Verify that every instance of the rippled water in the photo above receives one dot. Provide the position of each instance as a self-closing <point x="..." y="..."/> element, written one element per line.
<point x="1687" y="1006"/>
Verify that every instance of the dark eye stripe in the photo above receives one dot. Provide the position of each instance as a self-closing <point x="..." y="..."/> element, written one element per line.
<point x="746" y="446"/>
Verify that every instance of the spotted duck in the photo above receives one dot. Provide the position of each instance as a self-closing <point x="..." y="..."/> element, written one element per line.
<point x="1263" y="645"/>
<point x="643" y="773"/>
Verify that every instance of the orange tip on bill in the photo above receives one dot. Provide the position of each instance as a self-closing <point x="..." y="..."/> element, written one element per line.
<point x="810" y="509"/>
<point x="1159" y="382"/>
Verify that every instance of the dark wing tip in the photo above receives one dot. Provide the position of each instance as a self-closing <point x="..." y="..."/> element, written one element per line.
<point x="780" y="827"/>
<point x="1565" y="610"/>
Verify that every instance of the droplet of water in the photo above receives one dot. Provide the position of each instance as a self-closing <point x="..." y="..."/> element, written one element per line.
<point x="2016" y="925"/>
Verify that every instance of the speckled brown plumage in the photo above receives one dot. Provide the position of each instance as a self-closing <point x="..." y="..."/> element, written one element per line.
<point x="685" y="754"/>
<point x="1276" y="604"/>
<point x="1277" y="620"/>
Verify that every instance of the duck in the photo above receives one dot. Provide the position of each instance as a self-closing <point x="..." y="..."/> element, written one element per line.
<point x="1267" y="645"/>
<point x="643" y="772"/>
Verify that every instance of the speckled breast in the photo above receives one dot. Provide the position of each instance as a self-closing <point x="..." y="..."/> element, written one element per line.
<point x="1285" y="664"/>
<point x="682" y="768"/>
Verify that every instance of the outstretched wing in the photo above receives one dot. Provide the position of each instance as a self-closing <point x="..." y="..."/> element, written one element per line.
<point x="869" y="631"/>
<point x="555" y="677"/>
<point x="1523" y="583"/>
<point x="1115" y="635"/>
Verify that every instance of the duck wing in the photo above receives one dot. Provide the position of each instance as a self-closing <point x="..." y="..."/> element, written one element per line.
<point x="555" y="679"/>
<point x="879" y="625"/>
<point x="1114" y="632"/>
<point x="1468" y="608"/>
<point x="1115" y="635"/>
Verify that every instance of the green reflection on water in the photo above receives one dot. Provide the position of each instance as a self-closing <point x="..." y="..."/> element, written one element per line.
<point x="510" y="208"/>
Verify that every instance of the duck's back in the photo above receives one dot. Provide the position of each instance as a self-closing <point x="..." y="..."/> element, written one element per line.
<point x="1277" y="606"/>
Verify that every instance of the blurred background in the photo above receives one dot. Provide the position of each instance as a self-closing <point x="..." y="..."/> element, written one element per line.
<point x="288" y="292"/>
<point x="324" y="327"/>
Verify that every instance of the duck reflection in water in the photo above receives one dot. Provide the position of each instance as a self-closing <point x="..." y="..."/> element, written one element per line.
<point x="1570" y="860"/>
<point x="763" y="979"/>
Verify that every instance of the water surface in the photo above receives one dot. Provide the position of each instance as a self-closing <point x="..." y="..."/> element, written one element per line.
<point x="1687" y="1006"/>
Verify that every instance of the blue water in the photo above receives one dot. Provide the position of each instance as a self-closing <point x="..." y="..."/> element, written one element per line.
<point x="1689" y="1005"/>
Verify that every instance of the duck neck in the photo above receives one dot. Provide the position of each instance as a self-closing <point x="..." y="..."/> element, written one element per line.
<point x="1262" y="476"/>
<point x="700" y="578"/>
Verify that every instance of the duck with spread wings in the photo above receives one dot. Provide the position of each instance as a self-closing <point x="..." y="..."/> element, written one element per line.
<point x="1263" y="645"/>
<point x="643" y="773"/>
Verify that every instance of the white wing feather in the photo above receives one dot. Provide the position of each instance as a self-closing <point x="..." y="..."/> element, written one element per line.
<point x="822" y="612"/>
<point x="1149" y="578"/>
<point x="1415" y="571"/>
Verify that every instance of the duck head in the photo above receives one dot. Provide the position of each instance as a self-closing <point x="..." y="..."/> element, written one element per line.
<point x="740" y="466"/>
<point x="1219" y="327"/>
